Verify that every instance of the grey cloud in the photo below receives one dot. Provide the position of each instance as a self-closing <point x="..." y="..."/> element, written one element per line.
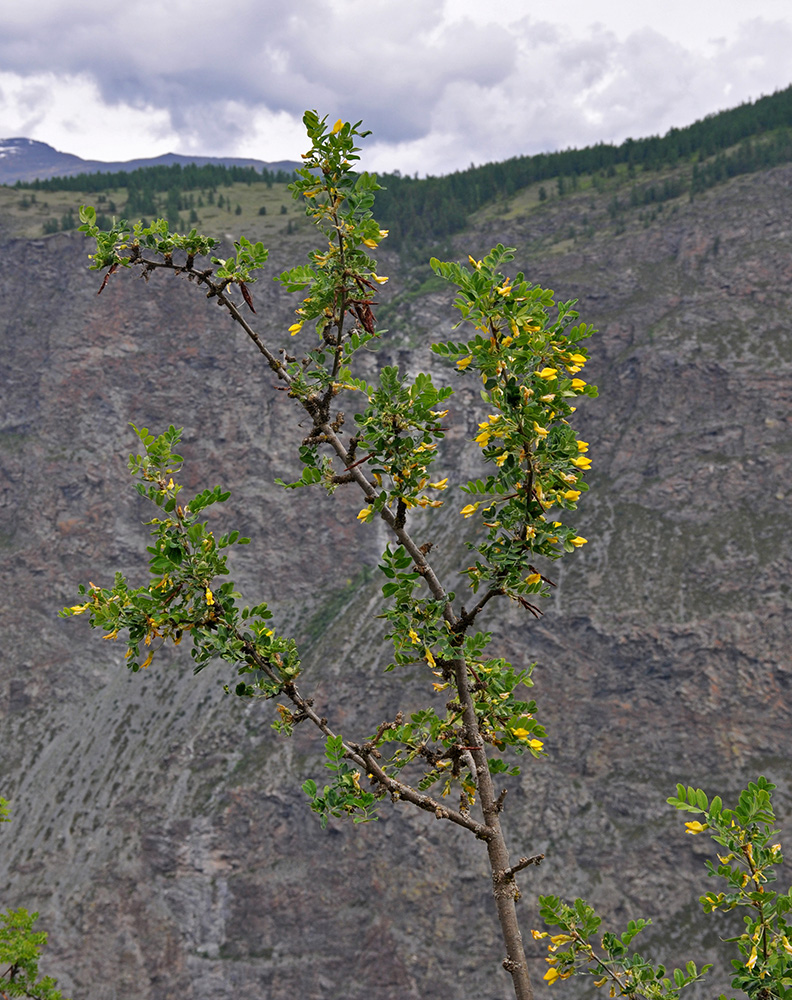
<point x="389" y="68"/>
<point x="436" y="95"/>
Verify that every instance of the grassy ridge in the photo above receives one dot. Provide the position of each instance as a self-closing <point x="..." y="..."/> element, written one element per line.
<point x="421" y="212"/>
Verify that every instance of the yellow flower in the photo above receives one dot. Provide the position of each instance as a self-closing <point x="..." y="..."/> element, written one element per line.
<point x="469" y="510"/>
<point x="582" y="446"/>
<point x="582" y="462"/>
<point x="371" y="244"/>
<point x="572" y="495"/>
<point x="558" y="939"/>
<point x="111" y="635"/>
<point x="548" y="398"/>
<point x="534" y="578"/>
<point x="535" y="744"/>
<point x="78" y="609"/>
<point x="383" y="233"/>
<point x="413" y="636"/>
<point x="500" y="459"/>
<point x="541" y="431"/>
<point x="551" y="975"/>
<point x="504" y="289"/>
<point x="338" y="126"/>
<point x="364" y="514"/>
<point x="538" y="935"/>
<point x="696" y="827"/>
<point x="440" y="687"/>
<point x="475" y="263"/>
<point x="429" y="658"/>
<point x="440" y="485"/>
<point x="549" y="374"/>
<point x="577" y="359"/>
<point x="578" y="541"/>
<point x="578" y="383"/>
<point x="209" y="597"/>
<point x="380" y="279"/>
<point x="295" y="328"/>
<point x="753" y="956"/>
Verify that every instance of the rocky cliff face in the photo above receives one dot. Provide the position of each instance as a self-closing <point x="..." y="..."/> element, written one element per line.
<point x="158" y="825"/>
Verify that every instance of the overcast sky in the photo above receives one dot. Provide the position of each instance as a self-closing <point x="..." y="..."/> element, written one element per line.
<point x="442" y="83"/>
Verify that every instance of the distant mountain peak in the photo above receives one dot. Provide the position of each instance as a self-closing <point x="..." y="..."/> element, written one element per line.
<point x="23" y="159"/>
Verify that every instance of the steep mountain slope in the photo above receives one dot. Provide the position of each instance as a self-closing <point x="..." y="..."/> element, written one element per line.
<point x="155" y="828"/>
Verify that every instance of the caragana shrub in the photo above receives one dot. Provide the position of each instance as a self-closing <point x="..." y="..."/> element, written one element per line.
<point x="526" y="354"/>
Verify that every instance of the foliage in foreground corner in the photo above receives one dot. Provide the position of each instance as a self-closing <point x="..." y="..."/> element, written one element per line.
<point x="20" y="950"/>
<point x="747" y="858"/>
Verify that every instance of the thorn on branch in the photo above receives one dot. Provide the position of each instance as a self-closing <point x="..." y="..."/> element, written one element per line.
<point x="370" y="745"/>
<point x="246" y="296"/>
<point x="112" y="270"/>
<point x="365" y="316"/>
<point x="360" y="461"/>
<point x="507" y="875"/>
<point x="500" y="800"/>
<point x="536" y="612"/>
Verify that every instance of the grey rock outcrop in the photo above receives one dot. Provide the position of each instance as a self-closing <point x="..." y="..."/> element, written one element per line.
<point x="159" y="826"/>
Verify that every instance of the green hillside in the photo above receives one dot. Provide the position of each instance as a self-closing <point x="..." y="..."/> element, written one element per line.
<point x="637" y="175"/>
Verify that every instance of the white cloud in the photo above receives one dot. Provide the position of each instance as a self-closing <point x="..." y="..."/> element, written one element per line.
<point x="440" y="84"/>
<point x="65" y="109"/>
